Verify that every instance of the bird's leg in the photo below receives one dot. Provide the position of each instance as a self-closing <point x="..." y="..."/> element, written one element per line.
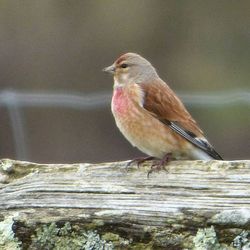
<point x="140" y="160"/>
<point x="160" y="165"/>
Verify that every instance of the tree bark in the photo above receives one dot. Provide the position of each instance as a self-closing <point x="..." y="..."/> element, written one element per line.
<point x="163" y="211"/>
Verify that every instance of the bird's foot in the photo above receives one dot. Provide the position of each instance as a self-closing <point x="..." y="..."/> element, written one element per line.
<point x="139" y="161"/>
<point x="160" y="164"/>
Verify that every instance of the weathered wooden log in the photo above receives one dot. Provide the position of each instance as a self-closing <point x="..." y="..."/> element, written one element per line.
<point x="163" y="211"/>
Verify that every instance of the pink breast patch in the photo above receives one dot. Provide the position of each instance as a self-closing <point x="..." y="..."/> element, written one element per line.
<point x="120" y="101"/>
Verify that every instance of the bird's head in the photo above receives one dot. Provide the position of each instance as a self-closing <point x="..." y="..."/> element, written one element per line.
<point x="131" y="68"/>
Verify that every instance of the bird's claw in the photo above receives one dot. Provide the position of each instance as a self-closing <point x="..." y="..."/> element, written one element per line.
<point x="139" y="161"/>
<point x="160" y="164"/>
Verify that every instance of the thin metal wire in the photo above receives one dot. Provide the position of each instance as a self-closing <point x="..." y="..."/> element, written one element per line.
<point x="100" y="99"/>
<point x="55" y="99"/>
<point x="15" y="101"/>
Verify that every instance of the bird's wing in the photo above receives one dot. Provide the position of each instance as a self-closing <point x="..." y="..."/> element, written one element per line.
<point x="163" y="104"/>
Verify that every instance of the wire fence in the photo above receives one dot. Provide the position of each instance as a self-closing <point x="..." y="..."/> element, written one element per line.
<point x="15" y="101"/>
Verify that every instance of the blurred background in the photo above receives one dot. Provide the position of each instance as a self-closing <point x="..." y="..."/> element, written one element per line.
<point x="55" y="100"/>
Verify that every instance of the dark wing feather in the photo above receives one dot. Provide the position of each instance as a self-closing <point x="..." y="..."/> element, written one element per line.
<point x="191" y="137"/>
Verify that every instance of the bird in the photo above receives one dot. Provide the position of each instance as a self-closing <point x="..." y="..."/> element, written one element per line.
<point x="152" y="117"/>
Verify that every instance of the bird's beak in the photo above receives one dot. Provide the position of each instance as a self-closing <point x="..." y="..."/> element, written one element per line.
<point x="110" y="69"/>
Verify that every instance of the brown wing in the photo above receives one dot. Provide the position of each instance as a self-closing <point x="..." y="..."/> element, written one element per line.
<point x="160" y="100"/>
<point x="165" y="106"/>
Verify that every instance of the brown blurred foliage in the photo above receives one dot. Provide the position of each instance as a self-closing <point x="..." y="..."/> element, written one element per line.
<point x="61" y="46"/>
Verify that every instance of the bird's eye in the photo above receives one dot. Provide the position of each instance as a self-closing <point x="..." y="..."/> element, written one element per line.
<point x="124" y="65"/>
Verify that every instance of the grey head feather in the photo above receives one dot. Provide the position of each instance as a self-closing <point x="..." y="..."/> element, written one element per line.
<point x="141" y="70"/>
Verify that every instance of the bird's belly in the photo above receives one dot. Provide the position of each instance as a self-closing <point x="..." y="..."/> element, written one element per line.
<point x="144" y="131"/>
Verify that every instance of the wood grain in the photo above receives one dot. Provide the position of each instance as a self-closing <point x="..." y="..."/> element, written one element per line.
<point x="190" y="195"/>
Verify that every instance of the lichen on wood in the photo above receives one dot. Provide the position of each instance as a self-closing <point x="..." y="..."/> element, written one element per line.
<point x="123" y="208"/>
<point x="7" y="236"/>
